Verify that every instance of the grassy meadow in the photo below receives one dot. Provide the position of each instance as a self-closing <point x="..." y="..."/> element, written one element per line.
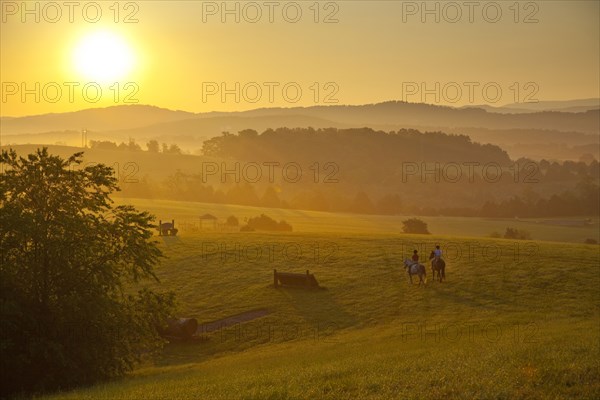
<point x="408" y="125"/>
<point x="186" y="215"/>
<point x="514" y="320"/>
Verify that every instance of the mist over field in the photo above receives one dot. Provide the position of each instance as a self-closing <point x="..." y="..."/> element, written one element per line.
<point x="300" y="200"/>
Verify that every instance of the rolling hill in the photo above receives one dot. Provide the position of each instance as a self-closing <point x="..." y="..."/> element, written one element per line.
<point x="392" y="113"/>
<point x="540" y="133"/>
<point x="93" y="119"/>
<point x="581" y="105"/>
<point x="506" y="326"/>
<point x="186" y="215"/>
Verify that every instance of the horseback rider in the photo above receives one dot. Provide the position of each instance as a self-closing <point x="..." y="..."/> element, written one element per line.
<point x="415" y="268"/>
<point x="415" y="257"/>
<point x="437" y="254"/>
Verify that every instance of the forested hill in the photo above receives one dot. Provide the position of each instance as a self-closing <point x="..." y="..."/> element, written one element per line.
<point x="352" y="147"/>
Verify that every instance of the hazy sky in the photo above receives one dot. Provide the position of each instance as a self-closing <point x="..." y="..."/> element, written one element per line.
<point x="181" y="55"/>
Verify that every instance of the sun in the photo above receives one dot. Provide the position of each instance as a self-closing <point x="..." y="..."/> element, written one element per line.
<point x="103" y="57"/>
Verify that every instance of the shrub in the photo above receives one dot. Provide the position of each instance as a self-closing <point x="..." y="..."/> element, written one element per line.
<point x="265" y="223"/>
<point x="519" y="234"/>
<point x="590" y="241"/>
<point x="415" y="225"/>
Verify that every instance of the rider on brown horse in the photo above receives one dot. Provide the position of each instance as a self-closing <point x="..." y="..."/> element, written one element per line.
<point x="437" y="263"/>
<point x="437" y="253"/>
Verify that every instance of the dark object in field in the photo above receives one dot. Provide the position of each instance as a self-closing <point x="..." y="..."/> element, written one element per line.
<point x="180" y="328"/>
<point x="167" y="229"/>
<point x="307" y="280"/>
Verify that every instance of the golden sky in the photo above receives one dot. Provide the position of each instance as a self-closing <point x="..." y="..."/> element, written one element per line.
<point x="182" y="55"/>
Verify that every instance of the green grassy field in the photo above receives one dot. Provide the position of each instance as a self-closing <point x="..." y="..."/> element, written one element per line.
<point x="186" y="215"/>
<point x="515" y="320"/>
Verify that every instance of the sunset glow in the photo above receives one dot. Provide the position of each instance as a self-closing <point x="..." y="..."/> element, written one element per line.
<point x="103" y="57"/>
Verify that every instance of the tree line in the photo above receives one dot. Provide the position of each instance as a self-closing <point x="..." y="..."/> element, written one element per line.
<point x="583" y="200"/>
<point x="152" y="146"/>
<point x="372" y="176"/>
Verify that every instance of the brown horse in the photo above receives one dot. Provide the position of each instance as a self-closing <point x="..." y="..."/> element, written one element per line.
<point x="439" y="267"/>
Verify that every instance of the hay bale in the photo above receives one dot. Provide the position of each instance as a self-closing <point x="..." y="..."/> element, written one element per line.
<point x="181" y="328"/>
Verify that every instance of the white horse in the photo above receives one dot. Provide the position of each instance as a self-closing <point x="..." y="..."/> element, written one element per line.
<point x="414" y="268"/>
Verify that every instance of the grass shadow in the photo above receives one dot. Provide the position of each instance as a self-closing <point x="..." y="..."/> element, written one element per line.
<point x="317" y="307"/>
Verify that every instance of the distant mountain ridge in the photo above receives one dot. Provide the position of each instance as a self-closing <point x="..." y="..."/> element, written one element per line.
<point x="98" y="119"/>
<point x="392" y="114"/>
<point x="581" y="105"/>
<point x="538" y="134"/>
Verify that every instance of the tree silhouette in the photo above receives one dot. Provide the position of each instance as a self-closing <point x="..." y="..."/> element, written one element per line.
<point x="153" y="146"/>
<point x="68" y="264"/>
<point x="414" y="225"/>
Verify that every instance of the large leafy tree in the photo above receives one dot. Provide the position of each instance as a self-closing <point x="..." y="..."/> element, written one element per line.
<point x="72" y="307"/>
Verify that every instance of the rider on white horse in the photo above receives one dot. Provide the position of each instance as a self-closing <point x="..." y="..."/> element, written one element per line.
<point x="415" y="268"/>
<point x="415" y="257"/>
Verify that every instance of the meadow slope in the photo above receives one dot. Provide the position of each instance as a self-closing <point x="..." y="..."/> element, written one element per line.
<point x="187" y="213"/>
<point x="514" y="320"/>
